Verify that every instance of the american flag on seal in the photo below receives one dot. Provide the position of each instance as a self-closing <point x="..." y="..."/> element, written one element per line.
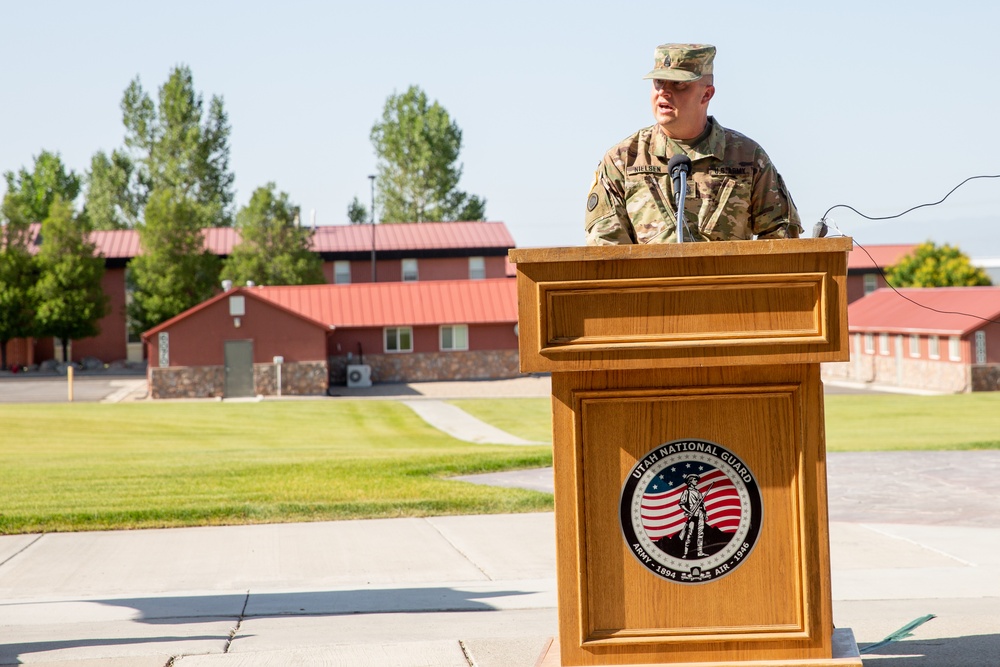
<point x="662" y="516"/>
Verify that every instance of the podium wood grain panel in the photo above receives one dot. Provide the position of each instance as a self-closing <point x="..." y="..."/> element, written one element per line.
<point x="671" y="312"/>
<point x="777" y="602"/>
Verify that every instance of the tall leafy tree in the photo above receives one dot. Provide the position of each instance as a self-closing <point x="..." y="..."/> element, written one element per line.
<point x="68" y="295"/>
<point x="173" y="271"/>
<point x="111" y="202"/>
<point x="930" y="265"/>
<point x="35" y="190"/>
<point x="356" y="212"/>
<point x="417" y="146"/>
<point x="17" y="273"/>
<point x="178" y="145"/>
<point x="274" y="249"/>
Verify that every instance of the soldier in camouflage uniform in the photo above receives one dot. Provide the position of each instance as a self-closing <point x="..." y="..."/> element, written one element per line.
<point x="734" y="192"/>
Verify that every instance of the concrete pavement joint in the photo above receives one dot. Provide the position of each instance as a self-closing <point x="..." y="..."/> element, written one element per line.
<point x="457" y="550"/>
<point x="239" y="622"/>
<point x="920" y="544"/>
<point x="465" y="652"/>
<point x="22" y="550"/>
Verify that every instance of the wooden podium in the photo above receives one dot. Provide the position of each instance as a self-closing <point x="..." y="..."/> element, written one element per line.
<point x="689" y="452"/>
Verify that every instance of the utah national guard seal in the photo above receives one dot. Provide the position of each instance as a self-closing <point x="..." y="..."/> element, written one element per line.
<point x="690" y="511"/>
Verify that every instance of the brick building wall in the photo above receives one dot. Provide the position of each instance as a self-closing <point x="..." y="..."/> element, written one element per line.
<point x="432" y="366"/>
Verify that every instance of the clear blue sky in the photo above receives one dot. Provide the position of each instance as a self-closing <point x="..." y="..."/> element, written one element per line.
<point x="882" y="105"/>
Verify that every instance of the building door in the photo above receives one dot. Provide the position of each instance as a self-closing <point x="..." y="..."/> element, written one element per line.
<point x="239" y="368"/>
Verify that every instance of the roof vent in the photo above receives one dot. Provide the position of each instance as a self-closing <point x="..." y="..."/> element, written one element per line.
<point x="251" y="283"/>
<point x="227" y="285"/>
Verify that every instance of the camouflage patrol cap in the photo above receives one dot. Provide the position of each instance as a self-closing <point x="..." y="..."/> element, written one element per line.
<point x="682" y="62"/>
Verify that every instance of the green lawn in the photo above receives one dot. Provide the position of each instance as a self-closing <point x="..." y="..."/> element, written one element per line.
<point x="140" y="465"/>
<point x="528" y="418"/>
<point x="91" y="466"/>
<point x="882" y="422"/>
<point x="862" y="422"/>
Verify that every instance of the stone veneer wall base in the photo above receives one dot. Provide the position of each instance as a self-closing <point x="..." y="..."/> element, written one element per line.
<point x="307" y="378"/>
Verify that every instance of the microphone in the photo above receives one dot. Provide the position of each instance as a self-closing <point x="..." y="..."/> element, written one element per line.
<point x="679" y="166"/>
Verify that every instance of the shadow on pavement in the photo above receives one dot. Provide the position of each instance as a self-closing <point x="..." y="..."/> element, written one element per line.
<point x="156" y="610"/>
<point x="967" y="651"/>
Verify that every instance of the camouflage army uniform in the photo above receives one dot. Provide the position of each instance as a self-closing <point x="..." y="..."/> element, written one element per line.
<point x="734" y="192"/>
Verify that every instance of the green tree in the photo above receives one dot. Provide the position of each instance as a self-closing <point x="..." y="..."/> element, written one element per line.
<point x="36" y="190"/>
<point x="17" y="273"/>
<point x="417" y="146"/>
<point x="356" y="212"/>
<point x="274" y="249"/>
<point x="173" y="272"/>
<point x="111" y="203"/>
<point x="176" y="145"/>
<point x="68" y="295"/>
<point x="936" y="266"/>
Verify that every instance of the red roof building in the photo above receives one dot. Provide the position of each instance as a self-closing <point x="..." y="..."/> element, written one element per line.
<point x="429" y="251"/>
<point x="865" y="266"/>
<point x="941" y="339"/>
<point x="325" y="334"/>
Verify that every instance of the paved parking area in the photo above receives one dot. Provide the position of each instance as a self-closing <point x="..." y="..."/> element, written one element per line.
<point x="55" y="389"/>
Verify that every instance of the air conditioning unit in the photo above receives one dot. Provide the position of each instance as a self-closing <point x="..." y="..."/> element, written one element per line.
<point x="359" y="375"/>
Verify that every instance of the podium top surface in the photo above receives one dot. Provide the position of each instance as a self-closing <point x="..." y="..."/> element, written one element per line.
<point x="658" y="250"/>
<point x="682" y="305"/>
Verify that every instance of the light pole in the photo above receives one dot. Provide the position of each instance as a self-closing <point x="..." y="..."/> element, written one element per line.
<point x="371" y="177"/>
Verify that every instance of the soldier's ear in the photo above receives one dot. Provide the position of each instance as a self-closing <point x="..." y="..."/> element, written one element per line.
<point x="708" y="94"/>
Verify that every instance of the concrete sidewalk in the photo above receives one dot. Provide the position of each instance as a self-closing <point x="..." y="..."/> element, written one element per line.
<point x="446" y="591"/>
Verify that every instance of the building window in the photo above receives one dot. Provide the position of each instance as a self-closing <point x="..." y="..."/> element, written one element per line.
<point x="869" y="343"/>
<point x="237" y="305"/>
<point x="342" y="272"/>
<point x="409" y="270"/>
<point x="883" y="343"/>
<point x="914" y="345"/>
<point x="454" y="337"/>
<point x="399" y="339"/>
<point x="933" y="347"/>
<point x="954" y="348"/>
<point x="980" y="347"/>
<point x="871" y="283"/>
<point x="477" y="268"/>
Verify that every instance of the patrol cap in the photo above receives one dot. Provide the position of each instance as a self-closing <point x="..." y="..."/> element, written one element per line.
<point x="682" y="62"/>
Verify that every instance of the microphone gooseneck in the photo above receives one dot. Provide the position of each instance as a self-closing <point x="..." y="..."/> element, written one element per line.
<point x="679" y="166"/>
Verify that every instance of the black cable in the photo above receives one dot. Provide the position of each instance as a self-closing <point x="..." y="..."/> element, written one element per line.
<point x="821" y="230"/>
<point x="899" y="215"/>
<point x="921" y="305"/>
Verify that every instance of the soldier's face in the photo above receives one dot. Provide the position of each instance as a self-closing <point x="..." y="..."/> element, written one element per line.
<point x="681" y="107"/>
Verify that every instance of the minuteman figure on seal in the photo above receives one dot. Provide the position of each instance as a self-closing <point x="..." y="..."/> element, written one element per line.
<point x="692" y="501"/>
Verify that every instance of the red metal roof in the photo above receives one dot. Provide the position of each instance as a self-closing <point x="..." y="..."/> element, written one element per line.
<point x="400" y="304"/>
<point x="116" y="244"/>
<point x="412" y="236"/>
<point x="882" y="256"/>
<point x="956" y="310"/>
<point x="124" y="243"/>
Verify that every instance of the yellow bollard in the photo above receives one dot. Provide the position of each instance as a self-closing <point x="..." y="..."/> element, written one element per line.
<point x="69" y="382"/>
